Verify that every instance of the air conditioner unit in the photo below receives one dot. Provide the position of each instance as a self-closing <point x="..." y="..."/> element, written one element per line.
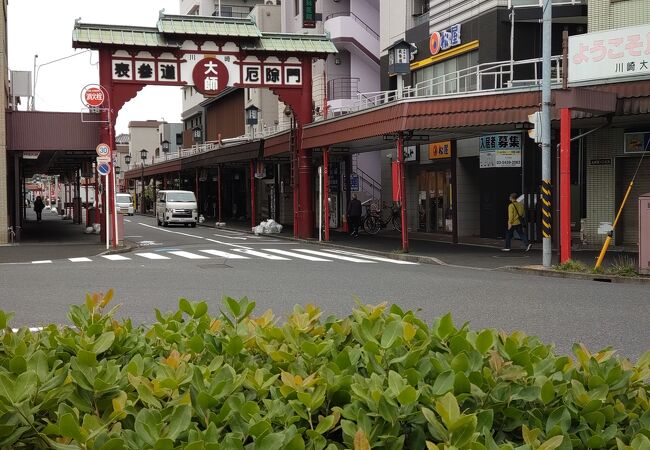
<point x="271" y="2"/>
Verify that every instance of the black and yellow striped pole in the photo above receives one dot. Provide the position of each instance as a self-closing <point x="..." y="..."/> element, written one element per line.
<point x="546" y="209"/>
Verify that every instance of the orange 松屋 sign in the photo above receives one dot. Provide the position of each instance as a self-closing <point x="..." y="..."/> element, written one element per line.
<point x="440" y="150"/>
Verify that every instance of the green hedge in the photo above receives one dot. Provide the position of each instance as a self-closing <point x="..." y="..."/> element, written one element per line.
<point x="380" y="378"/>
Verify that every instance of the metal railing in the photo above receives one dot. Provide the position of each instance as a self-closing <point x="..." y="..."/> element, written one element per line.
<point x="486" y="77"/>
<point x="357" y="19"/>
<point x="372" y="186"/>
<point x="343" y="88"/>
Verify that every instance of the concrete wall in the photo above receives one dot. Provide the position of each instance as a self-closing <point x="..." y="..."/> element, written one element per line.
<point x="601" y="185"/>
<point x="607" y="14"/>
<point x="4" y="203"/>
<point x="367" y="72"/>
<point x="143" y="138"/>
<point x="392" y="23"/>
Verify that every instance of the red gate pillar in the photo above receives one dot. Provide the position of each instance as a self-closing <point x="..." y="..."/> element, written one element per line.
<point x="305" y="166"/>
<point x="326" y="190"/>
<point x="402" y="191"/>
<point x="252" y="170"/>
<point x="565" y="184"/>
<point x="105" y="132"/>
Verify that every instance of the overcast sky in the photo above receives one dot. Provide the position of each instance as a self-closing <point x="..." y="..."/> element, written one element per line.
<point x="44" y="27"/>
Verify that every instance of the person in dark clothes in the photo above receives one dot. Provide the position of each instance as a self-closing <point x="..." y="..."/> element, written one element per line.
<point x="38" y="208"/>
<point x="354" y="215"/>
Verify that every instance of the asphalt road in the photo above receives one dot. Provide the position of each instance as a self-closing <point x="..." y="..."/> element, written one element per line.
<point x="206" y="263"/>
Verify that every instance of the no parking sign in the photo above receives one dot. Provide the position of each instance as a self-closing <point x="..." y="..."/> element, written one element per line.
<point x="104" y="169"/>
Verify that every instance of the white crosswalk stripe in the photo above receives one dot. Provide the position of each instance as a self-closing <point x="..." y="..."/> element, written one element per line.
<point x="374" y="258"/>
<point x="333" y="256"/>
<point x="224" y="254"/>
<point x="153" y="256"/>
<point x="116" y="257"/>
<point x="237" y="252"/>
<point x="295" y="255"/>
<point x="264" y="255"/>
<point x="188" y="255"/>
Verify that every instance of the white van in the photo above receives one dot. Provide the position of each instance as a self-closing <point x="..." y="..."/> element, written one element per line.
<point x="124" y="203"/>
<point x="176" y="207"/>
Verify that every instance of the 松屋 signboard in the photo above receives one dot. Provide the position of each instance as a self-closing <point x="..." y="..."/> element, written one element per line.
<point x="500" y="150"/>
<point x="623" y="52"/>
<point x="440" y="150"/>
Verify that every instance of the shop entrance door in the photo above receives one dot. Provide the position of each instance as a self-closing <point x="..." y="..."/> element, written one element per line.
<point x="435" y="201"/>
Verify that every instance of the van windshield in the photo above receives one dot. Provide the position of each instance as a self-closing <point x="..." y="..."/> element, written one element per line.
<point x="123" y="198"/>
<point x="180" y="197"/>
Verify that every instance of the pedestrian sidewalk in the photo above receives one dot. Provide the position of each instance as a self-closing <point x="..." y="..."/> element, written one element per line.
<point x="474" y="252"/>
<point x="51" y="238"/>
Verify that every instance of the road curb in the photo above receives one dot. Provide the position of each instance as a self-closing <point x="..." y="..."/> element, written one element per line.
<point x="543" y="272"/>
<point x="126" y="248"/>
<point x="396" y="256"/>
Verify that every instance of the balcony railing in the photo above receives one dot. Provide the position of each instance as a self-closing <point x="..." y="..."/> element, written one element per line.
<point x="356" y="18"/>
<point x="343" y="88"/>
<point x="487" y="77"/>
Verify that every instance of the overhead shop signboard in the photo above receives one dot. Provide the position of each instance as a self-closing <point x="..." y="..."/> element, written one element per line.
<point x="611" y="54"/>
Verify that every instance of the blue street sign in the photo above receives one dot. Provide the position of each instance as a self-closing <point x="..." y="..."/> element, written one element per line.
<point x="104" y="169"/>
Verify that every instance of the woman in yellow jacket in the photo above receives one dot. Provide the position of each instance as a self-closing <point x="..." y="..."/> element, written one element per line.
<point x="515" y="218"/>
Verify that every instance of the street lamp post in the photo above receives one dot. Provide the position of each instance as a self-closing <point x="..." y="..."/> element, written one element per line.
<point x="143" y="157"/>
<point x="165" y="147"/>
<point x="252" y="118"/>
<point x="197" y="134"/>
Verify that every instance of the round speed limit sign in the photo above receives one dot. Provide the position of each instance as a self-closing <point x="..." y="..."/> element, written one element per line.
<point x="103" y="150"/>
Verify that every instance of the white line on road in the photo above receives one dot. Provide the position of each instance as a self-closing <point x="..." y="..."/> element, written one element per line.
<point x="230" y="237"/>
<point x="230" y="244"/>
<point x="152" y="255"/>
<point x="116" y="257"/>
<point x="262" y="255"/>
<point x="45" y="261"/>
<point x="188" y="255"/>
<point x="374" y="258"/>
<point x="329" y="255"/>
<point x="224" y="254"/>
<point x="127" y="220"/>
<point x="295" y="255"/>
<point x="170" y="231"/>
<point x="80" y="259"/>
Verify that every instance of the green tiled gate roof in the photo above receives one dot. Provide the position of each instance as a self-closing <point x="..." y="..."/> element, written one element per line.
<point x="171" y="29"/>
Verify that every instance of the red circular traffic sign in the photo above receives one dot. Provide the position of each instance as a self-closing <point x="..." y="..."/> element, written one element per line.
<point x="92" y="96"/>
<point x="210" y="76"/>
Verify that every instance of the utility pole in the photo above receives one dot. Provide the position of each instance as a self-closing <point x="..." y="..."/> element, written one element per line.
<point x="547" y="17"/>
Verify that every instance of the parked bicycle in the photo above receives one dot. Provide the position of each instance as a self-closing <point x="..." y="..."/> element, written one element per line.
<point x="375" y="220"/>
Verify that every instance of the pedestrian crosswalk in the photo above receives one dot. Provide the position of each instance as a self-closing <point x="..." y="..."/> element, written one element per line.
<point x="315" y="255"/>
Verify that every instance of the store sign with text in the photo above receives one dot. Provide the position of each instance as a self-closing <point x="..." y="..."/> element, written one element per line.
<point x="440" y="150"/>
<point x="500" y="150"/>
<point x="309" y="13"/>
<point x="410" y="153"/>
<point x="623" y="52"/>
<point x="444" y="40"/>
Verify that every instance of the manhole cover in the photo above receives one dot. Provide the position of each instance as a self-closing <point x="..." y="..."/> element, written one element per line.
<point x="214" y="266"/>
